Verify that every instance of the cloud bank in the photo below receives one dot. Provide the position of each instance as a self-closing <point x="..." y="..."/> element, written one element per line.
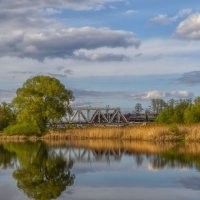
<point x="64" y="42"/>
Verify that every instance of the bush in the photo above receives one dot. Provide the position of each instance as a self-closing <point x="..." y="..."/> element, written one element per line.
<point x="192" y="114"/>
<point x="174" y="129"/>
<point x="166" y="116"/>
<point x="24" y="128"/>
<point x="7" y="115"/>
<point x="175" y="114"/>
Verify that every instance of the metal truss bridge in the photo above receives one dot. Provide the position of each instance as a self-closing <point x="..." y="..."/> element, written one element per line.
<point x="94" y="115"/>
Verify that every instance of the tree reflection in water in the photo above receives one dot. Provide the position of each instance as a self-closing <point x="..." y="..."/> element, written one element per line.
<point x="42" y="173"/>
<point x="7" y="158"/>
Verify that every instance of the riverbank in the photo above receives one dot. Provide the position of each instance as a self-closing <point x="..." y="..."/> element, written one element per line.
<point x="136" y="132"/>
<point x="162" y="133"/>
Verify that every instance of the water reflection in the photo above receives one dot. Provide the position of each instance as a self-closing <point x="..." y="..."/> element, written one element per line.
<point x="40" y="172"/>
<point x="44" y="171"/>
<point x="7" y="158"/>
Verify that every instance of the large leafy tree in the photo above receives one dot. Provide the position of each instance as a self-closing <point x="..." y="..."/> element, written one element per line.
<point x="42" y="99"/>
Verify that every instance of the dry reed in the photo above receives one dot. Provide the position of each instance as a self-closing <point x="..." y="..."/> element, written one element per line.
<point x="137" y="132"/>
<point x="155" y="133"/>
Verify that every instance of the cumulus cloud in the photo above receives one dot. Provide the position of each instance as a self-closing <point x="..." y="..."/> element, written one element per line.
<point x="153" y="95"/>
<point x="31" y="29"/>
<point x="190" y="78"/>
<point x="165" y="19"/>
<point x="64" y="42"/>
<point x="189" y="28"/>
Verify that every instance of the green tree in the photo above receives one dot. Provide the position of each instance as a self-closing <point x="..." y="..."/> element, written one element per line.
<point x="7" y="115"/>
<point x="42" y="99"/>
<point x="166" y="117"/>
<point x="175" y="114"/>
<point x="192" y="114"/>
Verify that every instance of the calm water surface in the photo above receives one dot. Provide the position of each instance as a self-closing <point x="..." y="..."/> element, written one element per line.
<point x="99" y="170"/>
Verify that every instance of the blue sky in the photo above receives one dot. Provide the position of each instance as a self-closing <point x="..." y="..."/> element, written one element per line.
<point x="109" y="52"/>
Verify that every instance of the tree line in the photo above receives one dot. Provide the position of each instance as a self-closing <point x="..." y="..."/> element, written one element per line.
<point x="156" y="107"/>
<point x="182" y="111"/>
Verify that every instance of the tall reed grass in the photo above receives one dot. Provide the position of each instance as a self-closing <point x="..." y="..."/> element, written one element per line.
<point x="136" y="132"/>
<point x="154" y="133"/>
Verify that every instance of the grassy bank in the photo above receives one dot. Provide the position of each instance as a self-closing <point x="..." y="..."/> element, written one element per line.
<point x="136" y="132"/>
<point x="155" y="133"/>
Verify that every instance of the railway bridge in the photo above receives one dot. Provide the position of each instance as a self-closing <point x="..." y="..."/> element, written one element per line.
<point x="95" y="115"/>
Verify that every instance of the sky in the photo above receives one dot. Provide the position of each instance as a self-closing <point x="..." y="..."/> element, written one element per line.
<point x="108" y="52"/>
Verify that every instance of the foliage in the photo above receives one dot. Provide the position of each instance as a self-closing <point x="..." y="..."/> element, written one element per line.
<point x="41" y="100"/>
<point x="23" y="128"/>
<point x="174" y="129"/>
<point x="7" y="158"/>
<point x="175" y="112"/>
<point x="7" y="115"/>
<point x="166" y="116"/>
<point x="192" y="114"/>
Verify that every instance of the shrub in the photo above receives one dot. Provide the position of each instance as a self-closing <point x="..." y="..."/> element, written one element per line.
<point x="174" y="129"/>
<point x="7" y="115"/>
<point x="24" y="128"/>
<point x="192" y="114"/>
<point x="166" y="116"/>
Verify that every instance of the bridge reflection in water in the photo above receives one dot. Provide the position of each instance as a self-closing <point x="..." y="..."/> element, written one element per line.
<point x="105" y="150"/>
<point x="90" y="155"/>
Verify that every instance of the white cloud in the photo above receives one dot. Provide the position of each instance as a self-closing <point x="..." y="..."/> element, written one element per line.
<point x="153" y="95"/>
<point x="189" y="28"/>
<point x="64" y="42"/>
<point x="165" y="19"/>
<point x="162" y="95"/>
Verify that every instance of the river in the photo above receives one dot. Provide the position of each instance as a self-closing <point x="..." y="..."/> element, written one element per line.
<point x="99" y="170"/>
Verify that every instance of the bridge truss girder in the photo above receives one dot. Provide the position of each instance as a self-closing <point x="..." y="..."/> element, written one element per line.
<point x="91" y="115"/>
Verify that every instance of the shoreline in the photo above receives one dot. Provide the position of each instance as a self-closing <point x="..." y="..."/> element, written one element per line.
<point x="152" y="133"/>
